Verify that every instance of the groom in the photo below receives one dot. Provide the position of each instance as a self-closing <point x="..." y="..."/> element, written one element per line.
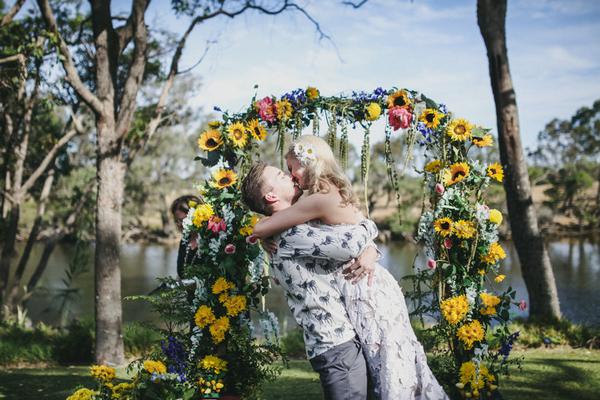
<point x="317" y="305"/>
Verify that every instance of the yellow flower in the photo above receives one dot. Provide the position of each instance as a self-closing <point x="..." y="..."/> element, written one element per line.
<point x="254" y="220"/>
<point x="495" y="253"/>
<point x="214" y="124"/>
<point x="235" y="305"/>
<point x="398" y="99"/>
<point x="223" y="297"/>
<point x="102" y="373"/>
<point x="246" y="230"/>
<point x="204" y="316"/>
<point x="471" y="375"/>
<point x="456" y="173"/>
<point x="433" y="166"/>
<point x="464" y="229"/>
<point x="312" y="93"/>
<point x="431" y="117"/>
<point x="372" y="111"/>
<point x="284" y="110"/>
<point x="470" y="333"/>
<point x="218" y="329"/>
<point x="155" y="367"/>
<point x="496" y="172"/>
<point x="499" y="278"/>
<point x="495" y="216"/>
<point x="454" y="309"/>
<point x="210" y="140"/>
<point x="443" y="226"/>
<point x="221" y="285"/>
<point x="481" y="271"/>
<point x="119" y="390"/>
<point x="82" y="394"/>
<point x="214" y="364"/>
<point x="258" y="131"/>
<point x="192" y="204"/>
<point x="489" y="302"/>
<point x="237" y="134"/>
<point x="459" y="129"/>
<point x="484" y="141"/>
<point x="202" y="214"/>
<point x="223" y="178"/>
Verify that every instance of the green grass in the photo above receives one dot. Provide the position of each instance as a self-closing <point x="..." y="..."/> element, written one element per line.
<point x="549" y="374"/>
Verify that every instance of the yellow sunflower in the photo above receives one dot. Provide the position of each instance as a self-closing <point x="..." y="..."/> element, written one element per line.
<point x="443" y="226"/>
<point x="210" y="140"/>
<point x="223" y="178"/>
<point x="433" y="166"/>
<point x="284" y="110"/>
<point x="484" y="141"/>
<point x="399" y="99"/>
<point x="456" y="173"/>
<point x="496" y="172"/>
<point x="237" y="134"/>
<point x="464" y="229"/>
<point x="312" y="93"/>
<point x="214" y="124"/>
<point x="459" y="129"/>
<point x="257" y="131"/>
<point x="431" y="117"/>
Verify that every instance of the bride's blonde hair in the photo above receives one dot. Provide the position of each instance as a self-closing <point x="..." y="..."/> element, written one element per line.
<point x="322" y="169"/>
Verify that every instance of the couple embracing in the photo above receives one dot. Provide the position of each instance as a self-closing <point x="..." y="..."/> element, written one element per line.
<point x="351" y="309"/>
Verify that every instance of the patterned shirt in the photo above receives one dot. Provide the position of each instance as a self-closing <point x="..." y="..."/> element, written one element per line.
<point x="306" y="264"/>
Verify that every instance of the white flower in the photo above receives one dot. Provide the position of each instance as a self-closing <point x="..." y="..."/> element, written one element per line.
<point x="304" y="154"/>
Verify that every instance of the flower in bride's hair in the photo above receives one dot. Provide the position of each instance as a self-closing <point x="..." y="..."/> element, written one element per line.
<point x="304" y="153"/>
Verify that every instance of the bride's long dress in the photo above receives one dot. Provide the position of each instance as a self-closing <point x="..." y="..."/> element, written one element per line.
<point x="397" y="362"/>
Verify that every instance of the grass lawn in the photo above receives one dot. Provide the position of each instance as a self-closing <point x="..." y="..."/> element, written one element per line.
<point x="547" y="374"/>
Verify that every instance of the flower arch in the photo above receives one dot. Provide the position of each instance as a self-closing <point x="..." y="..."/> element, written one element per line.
<point x="458" y="230"/>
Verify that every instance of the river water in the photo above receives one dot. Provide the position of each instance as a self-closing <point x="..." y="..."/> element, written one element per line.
<point x="576" y="266"/>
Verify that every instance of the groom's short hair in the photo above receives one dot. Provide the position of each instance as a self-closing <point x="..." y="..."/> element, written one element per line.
<point x="252" y="189"/>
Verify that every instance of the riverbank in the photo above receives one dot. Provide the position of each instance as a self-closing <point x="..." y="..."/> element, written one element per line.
<point x="551" y="374"/>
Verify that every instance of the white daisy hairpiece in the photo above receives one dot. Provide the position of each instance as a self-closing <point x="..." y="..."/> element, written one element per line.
<point x="304" y="153"/>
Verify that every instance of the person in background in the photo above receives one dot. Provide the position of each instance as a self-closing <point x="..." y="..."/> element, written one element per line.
<point x="179" y="210"/>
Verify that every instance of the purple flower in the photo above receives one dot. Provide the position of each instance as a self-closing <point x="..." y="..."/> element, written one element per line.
<point x="508" y="345"/>
<point x="175" y="353"/>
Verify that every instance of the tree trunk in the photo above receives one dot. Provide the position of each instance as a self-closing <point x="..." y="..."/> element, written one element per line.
<point x="110" y="179"/>
<point x="529" y="243"/>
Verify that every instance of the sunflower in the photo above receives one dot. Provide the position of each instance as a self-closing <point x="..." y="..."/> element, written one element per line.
<point x="237" y="134"/>
<point x="223" y="178"/>
<point x="210" y="140"/>
<point x="464" y="229"/>
<point x="459" y="129"/>
<point x="456" y="173"/>
<point x="433" y="166"/>
<point x="312" y="93"/>
<point x="284" y="110"/>
<point x="496" y="172"/>
<point x="257" y="131"/>
<point x="214" y="124"/>
<point x="431" y="117"/>
<point x="398" y="99"/>
<point x="443" y="226"/>
<point x="484" y="141"/>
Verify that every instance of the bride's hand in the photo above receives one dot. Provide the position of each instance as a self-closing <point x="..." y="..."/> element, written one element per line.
<point x="362" y="266"/>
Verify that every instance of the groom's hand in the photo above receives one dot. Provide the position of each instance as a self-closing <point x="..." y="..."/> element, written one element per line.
<point x="362" y="266"/>
<point x="269" y="245"/>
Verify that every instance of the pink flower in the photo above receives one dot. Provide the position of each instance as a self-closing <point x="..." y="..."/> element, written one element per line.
<point x="439" y="188"/>
<point x="448" y="243"/>
<point x="400" y="118"/>
<point x="431" y="264"/>
<point x="266" y="109"/>
<point x="216" y="224"/>
<point x="252" y="239"/>
<point x="230" y="248"/>
<point x="522" y="305"/>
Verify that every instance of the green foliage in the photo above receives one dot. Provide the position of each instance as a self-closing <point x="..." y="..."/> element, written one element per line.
<point x="560" y="333"/>
<point x="292" y="344"/>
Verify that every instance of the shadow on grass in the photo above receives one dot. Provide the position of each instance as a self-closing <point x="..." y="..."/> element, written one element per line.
<point x="48" y="383"/>
<point x="298" y="382"/>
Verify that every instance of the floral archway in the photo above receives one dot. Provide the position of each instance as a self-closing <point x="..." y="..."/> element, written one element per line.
<point x="220" y="353"/>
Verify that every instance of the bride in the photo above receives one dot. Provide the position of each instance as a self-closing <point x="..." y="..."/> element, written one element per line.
<point x="376" y="307"/>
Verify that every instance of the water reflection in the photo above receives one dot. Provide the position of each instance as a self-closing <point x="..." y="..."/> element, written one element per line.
<point x="576" y="266"/>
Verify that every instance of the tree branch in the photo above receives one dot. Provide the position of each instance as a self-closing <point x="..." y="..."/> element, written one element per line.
<point x="72" y="76"/>
<point x="7" y="19"/>
<point x="128" y="103"/>
<point x="355" y="5"/>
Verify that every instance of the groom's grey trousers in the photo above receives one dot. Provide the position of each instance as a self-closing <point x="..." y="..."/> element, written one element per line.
<point x="343" y="371"/>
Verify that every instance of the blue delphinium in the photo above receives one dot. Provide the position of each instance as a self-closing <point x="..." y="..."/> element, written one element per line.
<point x="175" y="353"/>
<point x="508" y="345"/>
<point x="426" y="132"/>
<point x="295" y="97"/>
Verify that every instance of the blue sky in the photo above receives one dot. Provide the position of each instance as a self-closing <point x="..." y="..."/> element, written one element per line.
<point x="431" y="46"/>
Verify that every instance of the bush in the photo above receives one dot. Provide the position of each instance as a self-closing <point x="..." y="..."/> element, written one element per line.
<point x="562" y="332"/>
<point x="139" y="338"/>
<point x="292" y="344"/>
<point x="23" y="345"/>
<point x="77" y="345"/>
